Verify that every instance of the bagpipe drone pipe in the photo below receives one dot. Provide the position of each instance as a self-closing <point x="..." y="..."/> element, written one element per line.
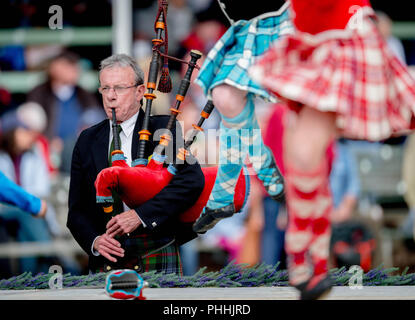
<point x="144" y="179"/>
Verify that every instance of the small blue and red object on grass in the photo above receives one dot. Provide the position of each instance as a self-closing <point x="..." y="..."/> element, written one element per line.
<point x="125" y="284"/>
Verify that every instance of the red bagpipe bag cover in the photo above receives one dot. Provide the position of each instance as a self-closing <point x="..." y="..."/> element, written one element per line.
<point x="138" y="184"/>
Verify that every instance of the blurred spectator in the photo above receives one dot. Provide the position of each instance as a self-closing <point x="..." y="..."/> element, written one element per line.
<point x="385" y="27"/>
<point x="89" y="117"/>
<point x="22" y="162"/>
<point x="64" y="102"/>
<point x="344" y="182"/>
<point x="13" y="194"/>
<point x="251" y="250"/>
<point x="142" y="49"/>
<point x="203" y="36"/>
<point x="352" y="241"/>
<point x="162" y="104"/>
<point x="194" y="103"/>
<point x="38" y="56"/>
<point x="179" y="21"/>
<point x="274" y="213"/>
<point x="190" y="257"/>
<point x="200" y="5"/>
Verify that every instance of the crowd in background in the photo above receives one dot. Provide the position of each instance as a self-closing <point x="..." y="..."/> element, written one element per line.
<point x="38" y="132"/>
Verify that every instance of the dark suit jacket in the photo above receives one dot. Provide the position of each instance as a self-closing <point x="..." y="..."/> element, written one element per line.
<point x="86" y="219"/>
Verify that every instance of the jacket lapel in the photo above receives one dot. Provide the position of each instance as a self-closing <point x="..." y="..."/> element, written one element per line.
<point x="100" y="147"/>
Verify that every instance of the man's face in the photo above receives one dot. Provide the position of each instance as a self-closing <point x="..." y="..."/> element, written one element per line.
<point x="64" y="72"/>
<point x="126" y="102"/>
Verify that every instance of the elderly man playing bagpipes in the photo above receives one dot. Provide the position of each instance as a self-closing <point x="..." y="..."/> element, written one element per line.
<point x="142" y="238"/>
<point x="148" y="205"/>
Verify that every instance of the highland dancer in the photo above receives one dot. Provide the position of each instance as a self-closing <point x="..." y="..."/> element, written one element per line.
<point x="339" y="78"/>
<point x="224" y="78"/>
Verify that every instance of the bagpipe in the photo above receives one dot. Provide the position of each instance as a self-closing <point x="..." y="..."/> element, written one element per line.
<point x="146" y="178"/>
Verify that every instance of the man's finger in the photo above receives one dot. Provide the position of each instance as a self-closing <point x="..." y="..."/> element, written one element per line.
<point x="113" y="248"/>
<point x="113" y="234"/>
<point x="107" y="256"/>
<point x="111" y="223"/>
<point x="113" y="251"/>
<point x="114" y="229"/>
<point x="113" y="241"/>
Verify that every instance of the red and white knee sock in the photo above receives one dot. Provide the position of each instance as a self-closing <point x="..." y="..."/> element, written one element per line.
<point x="321" y="229"/>
<point x="307" y="237"/>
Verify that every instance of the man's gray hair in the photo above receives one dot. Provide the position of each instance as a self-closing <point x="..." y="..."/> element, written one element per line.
<point x="123" y="60"/>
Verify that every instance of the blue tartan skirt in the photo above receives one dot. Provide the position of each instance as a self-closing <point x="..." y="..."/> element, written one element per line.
<point x="240" y="47"/>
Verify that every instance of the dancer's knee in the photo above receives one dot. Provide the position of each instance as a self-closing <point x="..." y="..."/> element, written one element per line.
<point x="305" y="156"/>
<point x="307" y="141"/>
<point x="228" y="100"/>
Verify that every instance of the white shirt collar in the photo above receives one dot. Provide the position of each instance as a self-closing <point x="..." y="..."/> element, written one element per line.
<point x="64" y="92"/>
<point x="128" y="125"/>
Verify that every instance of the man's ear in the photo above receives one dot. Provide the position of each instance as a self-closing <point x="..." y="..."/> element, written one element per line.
<point x="141" y="89"/>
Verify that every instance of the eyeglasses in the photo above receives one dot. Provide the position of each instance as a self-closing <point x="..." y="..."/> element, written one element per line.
<point x="119" y="90"/>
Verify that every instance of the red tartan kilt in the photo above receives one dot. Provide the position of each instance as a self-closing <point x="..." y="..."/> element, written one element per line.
<point x="351" y="72"/>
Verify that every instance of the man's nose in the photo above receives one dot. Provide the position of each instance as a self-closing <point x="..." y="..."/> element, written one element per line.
<point x="111" y="95"/>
